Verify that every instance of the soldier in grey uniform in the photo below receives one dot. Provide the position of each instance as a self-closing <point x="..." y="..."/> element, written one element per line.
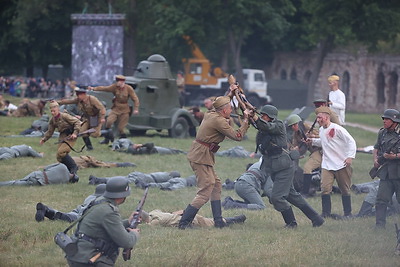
<point x="237" y="152"/>
<point x="53" y="174"/>
<point x="102" y="232"/>
<point x="251" y="186"/>
<point x="387" y="157"/>
<point x="139" y="178"/>
<point x="278" y="162"/>
<point x="43" y="211"/>
<point x="18" y="151"/>
<point x="42" y="124"/>
<point x="172" y="184"/>
<point x="126" y="145"/>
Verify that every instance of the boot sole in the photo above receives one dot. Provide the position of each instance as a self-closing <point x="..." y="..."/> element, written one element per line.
<point x="40" y="212"/>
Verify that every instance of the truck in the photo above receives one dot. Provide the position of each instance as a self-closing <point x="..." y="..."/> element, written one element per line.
<point x="202" y="80"/>
<point x="159" y="100"/>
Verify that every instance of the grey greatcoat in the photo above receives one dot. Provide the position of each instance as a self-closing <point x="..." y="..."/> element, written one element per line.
<point x="53" y="174"/>
<point x="18" y="151"/>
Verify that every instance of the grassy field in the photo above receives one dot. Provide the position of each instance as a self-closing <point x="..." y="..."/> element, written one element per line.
<point x="261" y="241"/>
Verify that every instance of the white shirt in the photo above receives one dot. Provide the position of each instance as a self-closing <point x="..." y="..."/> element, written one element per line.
<point x="12" y="107"/>
<point x="338" y="105"/>
<point x="337" y="145"/>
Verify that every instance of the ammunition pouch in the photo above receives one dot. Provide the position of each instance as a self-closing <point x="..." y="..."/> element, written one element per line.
<point x="108" y="249"/>
<point x="93" y="121"/>
<point x="294" y="154"/>
<point x="67" y="132"/>
<point x="66" y="243"/>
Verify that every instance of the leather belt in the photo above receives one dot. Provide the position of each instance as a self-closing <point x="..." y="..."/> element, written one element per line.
<point x="256" y="174"/>
<point x="46" y="179"/>
<point x="203" y="143"/>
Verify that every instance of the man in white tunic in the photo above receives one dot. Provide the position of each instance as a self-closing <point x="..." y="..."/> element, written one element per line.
<point x="337" y="99"/>
<point x="339" y="150"/>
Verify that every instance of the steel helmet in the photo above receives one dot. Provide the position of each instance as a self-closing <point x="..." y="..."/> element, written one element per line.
<point x="270" y="110"/>
<point x="117" y="187"/>
<point x="293" y="119"/>
<point x="391" y="114"/>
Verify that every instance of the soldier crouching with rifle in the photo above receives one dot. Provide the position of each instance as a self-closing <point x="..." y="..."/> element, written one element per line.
<point x="101" y="231"/>
<point x="69" y="127"/>
<point x="93" y="111"/>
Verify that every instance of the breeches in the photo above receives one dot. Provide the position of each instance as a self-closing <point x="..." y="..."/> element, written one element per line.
<point x="249" y="194"/>
<point x="85" y="126"/>
<point x="122" y="118"/>
<point x="343" y="178"/>
<point x="64" y="149"/>
<point x="313" y="162"/>
<point x="386" y="190"/>
<point x="208" y="184"/>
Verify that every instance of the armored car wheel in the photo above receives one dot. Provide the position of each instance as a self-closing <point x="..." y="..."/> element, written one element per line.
<point x="180" y="129"/>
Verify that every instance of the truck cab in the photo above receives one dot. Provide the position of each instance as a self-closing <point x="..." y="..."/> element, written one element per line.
<point x="256" y="87"/>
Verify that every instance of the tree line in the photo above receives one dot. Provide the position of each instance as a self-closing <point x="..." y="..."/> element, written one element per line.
<point x="231" y="33"/>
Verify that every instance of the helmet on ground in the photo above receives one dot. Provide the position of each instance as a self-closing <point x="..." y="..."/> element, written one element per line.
<point x="269" y="110"/>
<point x="392" y="114"/>
<point x="293" y="119"/>
<point x="117" y="187"/>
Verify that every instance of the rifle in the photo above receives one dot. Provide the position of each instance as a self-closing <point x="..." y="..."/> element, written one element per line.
<point x="126" y="254"/>
<point x="382" y="162"/>
<point x="241" y="98"/>
<point x="312" y="126"/>
<point x="91" y="130"/>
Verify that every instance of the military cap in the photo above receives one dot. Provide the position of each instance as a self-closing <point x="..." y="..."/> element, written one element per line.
<point x="323" y="109"/>
<point x="319" y="100"/>
<point x="53" y="104"/>
<point x="120" y="78"/>
<point x="220" y="101"/>
<point x="100" y="189"/>
<point x="80" y="90"/>
<point x="333" y="78"/>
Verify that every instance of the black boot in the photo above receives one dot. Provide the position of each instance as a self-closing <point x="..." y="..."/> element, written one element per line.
<point x="305" y="192"/>
<point x="326" y="206"/>
<point x="288" y="217"/>
<point x="95" y="180"/>
<point x="65" y="217"/>
<point x="380" y="214"/>
<point x="365" y="210"/>
<point x="236" y="219"/>
<point x="88" y="143"/>
<point x="346" y="202"/>
<point x="72" y="168"/>
<point x="187" y="217"/>
<point x="311" y="214"/>
<point x="229" y="203"/>
<point x="217" y="214"/>
<point x="108" y="136"/>
<point x="122" y="136"/>
<point x="44" y="211"/>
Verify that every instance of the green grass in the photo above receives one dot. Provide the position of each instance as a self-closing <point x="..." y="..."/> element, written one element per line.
<point x="261" y="241"/>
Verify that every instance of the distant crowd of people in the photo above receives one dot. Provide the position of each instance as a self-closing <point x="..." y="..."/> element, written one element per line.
<point x="37" y="87"/>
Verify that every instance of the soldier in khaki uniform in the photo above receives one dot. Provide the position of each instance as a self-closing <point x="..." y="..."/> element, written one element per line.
<point x="102" y="231"/>
<point x="322" y="103"/>
<point x="30" y="108"/>
<point x="93" y="111"/>
<point x="120" y="109"/>
<point x="213" y="130"/>
<point x="69" y="127"/>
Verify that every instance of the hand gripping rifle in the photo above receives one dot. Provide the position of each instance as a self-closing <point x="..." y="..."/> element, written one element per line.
<point x="126" y="254"/>
<point x="382" y="161"/>
<point x="91" y="130"/>
<point x="242" y="100"/>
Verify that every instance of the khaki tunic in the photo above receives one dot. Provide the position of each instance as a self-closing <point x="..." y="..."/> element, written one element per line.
<point x="213" y="129"/>
<point x="157" y="217"/>
<point x="120" y="103"/>
<point x="30" y="108"/>
<point x="66" y="125"/>
<point x="91" y="108"/>
<point x="89" y="162"/>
